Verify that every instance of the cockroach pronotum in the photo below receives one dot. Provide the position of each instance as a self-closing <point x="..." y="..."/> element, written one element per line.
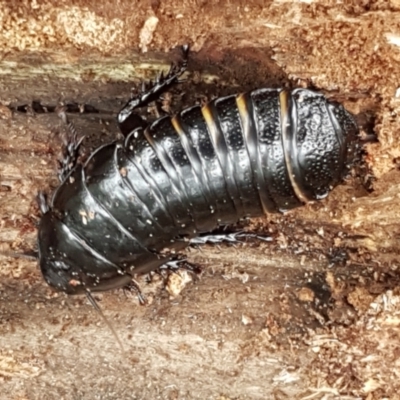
<point x="135" y="203"/>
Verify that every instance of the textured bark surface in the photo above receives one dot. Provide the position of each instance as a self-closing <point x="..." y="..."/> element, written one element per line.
<point x="313" y="314"/>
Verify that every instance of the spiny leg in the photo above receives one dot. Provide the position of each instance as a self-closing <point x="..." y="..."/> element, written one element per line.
<point x="70" y="153"/>
<point x="70" y="148"/>
<point x="134" y="287"/>
<point x="176" y="265"/>
<point x="151" y="91"/>
<point x="232" y="238"/>
<point x="173" y="263"/>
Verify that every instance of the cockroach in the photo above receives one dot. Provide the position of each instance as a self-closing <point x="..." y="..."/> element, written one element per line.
<point x="135" y="204"/>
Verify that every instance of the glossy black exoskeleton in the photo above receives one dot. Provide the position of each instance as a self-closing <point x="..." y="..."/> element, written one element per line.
<point x="129" y="207"/>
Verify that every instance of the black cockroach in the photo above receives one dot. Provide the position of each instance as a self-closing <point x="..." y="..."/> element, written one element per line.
<point x="135" y="203"/>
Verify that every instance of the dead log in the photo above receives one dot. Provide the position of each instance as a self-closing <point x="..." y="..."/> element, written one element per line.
<point x="311" y="315"/>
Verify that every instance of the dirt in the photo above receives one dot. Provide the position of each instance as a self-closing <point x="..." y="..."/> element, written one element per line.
<point x="311" y="314"/>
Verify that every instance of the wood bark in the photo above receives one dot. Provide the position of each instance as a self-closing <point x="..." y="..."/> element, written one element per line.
<point x="311" y="314"/>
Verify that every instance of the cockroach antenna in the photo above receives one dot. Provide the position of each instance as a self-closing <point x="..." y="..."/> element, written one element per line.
<point x="98" y="309"/>
<point x="33" y="255"/>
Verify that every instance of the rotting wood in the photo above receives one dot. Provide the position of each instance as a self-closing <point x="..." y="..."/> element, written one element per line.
<point x="271" y="320"/>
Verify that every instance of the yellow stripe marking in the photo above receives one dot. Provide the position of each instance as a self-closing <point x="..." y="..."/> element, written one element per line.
<point x="285" y="126"/>
<point x="208" y="117"/>
<point x="177" y="126"/>
<point x="244" y="116"/>
<point x="241" y="105"/>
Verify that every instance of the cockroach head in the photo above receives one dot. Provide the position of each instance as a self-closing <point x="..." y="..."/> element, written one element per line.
<point x="68" y="265"/>
<point x="57" y="268"/>
<point x="57" y="274"/>
<point x="66" y="276"/>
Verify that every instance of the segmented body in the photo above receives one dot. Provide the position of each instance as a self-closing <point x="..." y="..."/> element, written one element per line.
<point x="122" y="212"/>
